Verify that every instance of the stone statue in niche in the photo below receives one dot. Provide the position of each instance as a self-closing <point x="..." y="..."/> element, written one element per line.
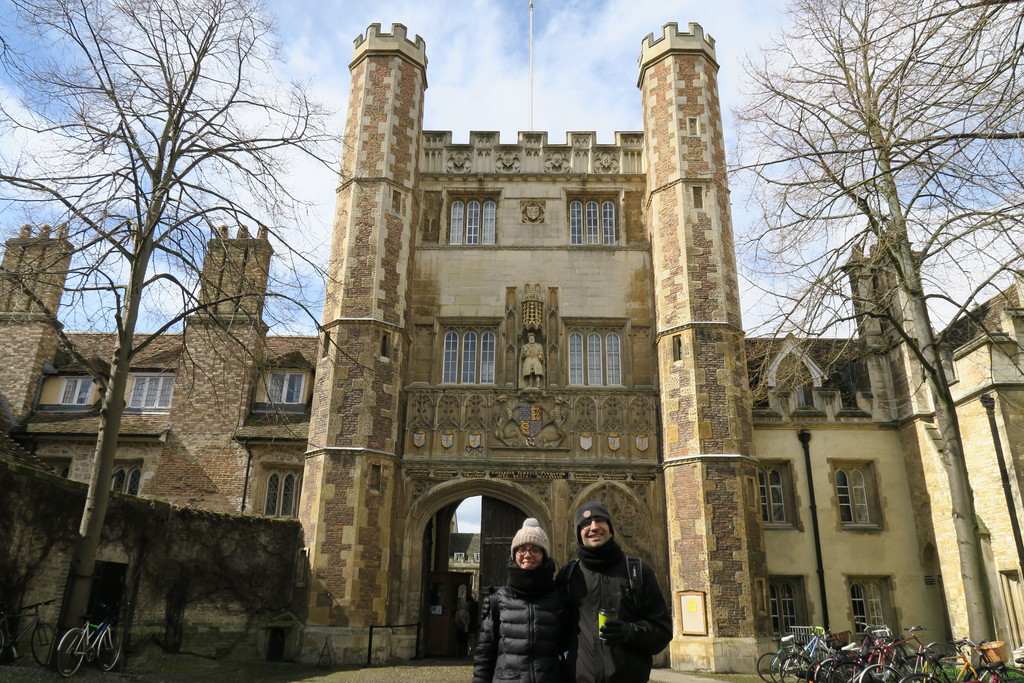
<point x="533" y="212"/>
<point x="532" y="366"/>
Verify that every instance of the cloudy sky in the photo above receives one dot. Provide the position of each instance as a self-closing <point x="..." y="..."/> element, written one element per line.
<point x="584" y="65"/>
<point x="584" y="56"/>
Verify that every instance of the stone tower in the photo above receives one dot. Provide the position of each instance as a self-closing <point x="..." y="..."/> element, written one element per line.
<point x="349" y="484"/>
<point x="31" y="284"/>
<point x="714" y="527"/>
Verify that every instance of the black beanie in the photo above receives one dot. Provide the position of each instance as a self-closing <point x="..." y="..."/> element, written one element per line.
<point x="589" y="510"/>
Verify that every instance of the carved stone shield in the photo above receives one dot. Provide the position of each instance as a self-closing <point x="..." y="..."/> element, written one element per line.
<point x="531" y="420"/>
<point x="447" y="439"/>
<point x="418" y="439"/>
<point x="586" y="440"/>
<point x="642" y="442"/>
<point x="614" y="441"/>
<point x="474" y="442"/>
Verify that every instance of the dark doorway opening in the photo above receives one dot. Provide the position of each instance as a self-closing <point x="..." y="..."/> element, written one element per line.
<point x="459" y="569"/>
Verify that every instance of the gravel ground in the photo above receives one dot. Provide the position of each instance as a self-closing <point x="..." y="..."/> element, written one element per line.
<point x="173" y="669"/>
<point x="184" y="668"/>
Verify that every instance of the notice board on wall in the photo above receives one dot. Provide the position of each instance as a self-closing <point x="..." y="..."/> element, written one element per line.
<point x="692" y="613"/>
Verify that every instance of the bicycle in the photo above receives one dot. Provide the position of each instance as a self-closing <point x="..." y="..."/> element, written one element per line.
<point x="11" y="635"/>
<point x="88" y="642"/>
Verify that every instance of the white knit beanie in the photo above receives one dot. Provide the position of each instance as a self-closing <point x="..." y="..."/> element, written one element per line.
<point x="532" y="533"/>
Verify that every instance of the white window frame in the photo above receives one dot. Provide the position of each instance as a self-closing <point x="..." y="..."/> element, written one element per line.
<point x="79" y="389"/>
<point x="868" y="596"/>
<point x="471" y="221"/>
<point x="469" y="356"/>
<point x="163" y="394"/>
<point x="284" y="390"/>
<point x="854" y="490"/>
<point x="274" y="489"/>
<point x="459" y="557"/>
<point x="592" y="221"/>
<point x="772" y="483"/>
<point x="595" y="358"/>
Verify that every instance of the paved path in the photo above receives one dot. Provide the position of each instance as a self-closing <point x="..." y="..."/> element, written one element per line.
<point x="174" y="670"/>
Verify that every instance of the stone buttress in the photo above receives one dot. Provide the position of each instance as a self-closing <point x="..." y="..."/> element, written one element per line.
<point x="716" y="546"/>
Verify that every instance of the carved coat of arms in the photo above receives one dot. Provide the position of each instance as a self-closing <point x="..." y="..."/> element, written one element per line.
<point x="447" y="439"/>
<point x="614" y="441"/>
<point x="418" y="439"/>
<point x="642" y="442"/>
<point x="531" y="421"/>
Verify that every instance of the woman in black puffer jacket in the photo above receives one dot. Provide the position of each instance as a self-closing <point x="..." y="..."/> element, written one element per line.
<point x="522" y="634"/>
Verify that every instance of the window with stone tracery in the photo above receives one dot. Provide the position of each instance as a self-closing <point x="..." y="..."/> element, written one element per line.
<point x="281" y="494"/>
<point x="592" y="221"/>
<point x="469" y="356"/>
<point x="856" y="495"/>
<point x="472" y="221"/>
<point x="126" y="479"/>
<point x="595" y="357"/>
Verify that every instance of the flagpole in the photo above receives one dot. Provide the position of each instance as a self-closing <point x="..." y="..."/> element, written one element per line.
<point x="531" y="65"/>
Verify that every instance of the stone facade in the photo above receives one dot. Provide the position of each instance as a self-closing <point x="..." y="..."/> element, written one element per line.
<point x="545" y="323"/>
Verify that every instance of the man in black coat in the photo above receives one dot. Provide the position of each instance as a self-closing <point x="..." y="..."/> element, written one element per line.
<point x="637" y="623"/>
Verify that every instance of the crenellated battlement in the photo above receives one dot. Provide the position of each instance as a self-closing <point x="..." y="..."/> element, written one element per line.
<point x="532" y="154"/>
<point x="673" y="40"/>
<point x="375" y="40"/>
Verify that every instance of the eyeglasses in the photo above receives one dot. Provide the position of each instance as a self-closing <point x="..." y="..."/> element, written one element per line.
<point x="528" y="550"/>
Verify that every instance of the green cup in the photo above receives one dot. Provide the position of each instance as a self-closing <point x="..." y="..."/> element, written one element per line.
<point x="603" y="616"/>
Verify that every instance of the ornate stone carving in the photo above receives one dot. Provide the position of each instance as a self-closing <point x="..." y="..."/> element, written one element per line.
<point x="460" y="161"/>
<point x="612" y="415"/>
<point x="421" y="413"/>
<point x="507" y="162"/>
<point x="532" y="211"/>
<point x="476" y="412"/>
<point x="640" y="415"/>
<point x="529" y="424"/>
<point x="448" y="412"/>
<point x="557" y="162"/>
<point x="605" y="162"/>
<point x="586" y="414"/>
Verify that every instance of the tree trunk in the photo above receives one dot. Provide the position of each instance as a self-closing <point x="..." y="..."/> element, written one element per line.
<point x="90" y="531"/>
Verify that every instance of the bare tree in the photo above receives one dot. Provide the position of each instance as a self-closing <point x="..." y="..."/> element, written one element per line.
<point x="144" y="126"/>
<point x="885" y="142"/>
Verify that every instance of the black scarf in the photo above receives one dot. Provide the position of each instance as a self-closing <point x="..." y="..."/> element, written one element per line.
<point x="531" y="583"/>
<point x="601" y="557"/>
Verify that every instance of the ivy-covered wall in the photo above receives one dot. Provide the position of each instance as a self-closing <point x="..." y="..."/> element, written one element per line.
<point x="194" y="581"/>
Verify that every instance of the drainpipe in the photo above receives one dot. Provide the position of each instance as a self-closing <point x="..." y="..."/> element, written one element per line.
<point x="805" y="441"/>
<point x="248" y="466"/>
<point x="989" y="404"/>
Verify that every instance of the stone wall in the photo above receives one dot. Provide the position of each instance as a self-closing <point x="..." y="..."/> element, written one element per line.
<point x="195" y="581"/>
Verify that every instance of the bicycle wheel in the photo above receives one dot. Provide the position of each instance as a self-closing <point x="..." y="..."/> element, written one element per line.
<point x="795" y="668"/>
<point x="1011" y="675"/>
<point x="42" y="640"/>
<point x="766" y="667"/>
<point x="109" y="650"/>
<point x="880" y="673"/>
<point x="70" y="652"/>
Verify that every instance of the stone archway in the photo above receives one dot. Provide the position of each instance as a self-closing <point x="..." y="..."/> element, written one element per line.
<point x="425" y="507"/>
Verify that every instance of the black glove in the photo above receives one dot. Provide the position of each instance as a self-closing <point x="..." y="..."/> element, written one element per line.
<point x="617" y="632"/>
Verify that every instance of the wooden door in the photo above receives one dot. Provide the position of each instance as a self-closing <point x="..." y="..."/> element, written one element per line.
<point x="443" y="599"/>
<point x="499" y="522"/>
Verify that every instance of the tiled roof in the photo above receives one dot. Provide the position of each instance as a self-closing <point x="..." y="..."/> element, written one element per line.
<point x="87" y="423"/>
<point x="163" y="352"/>
<point x="983" y="319"/>
<point x="11" y="451"/>
<point x="160" y="354"/>
<point x="275" y="427"/>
